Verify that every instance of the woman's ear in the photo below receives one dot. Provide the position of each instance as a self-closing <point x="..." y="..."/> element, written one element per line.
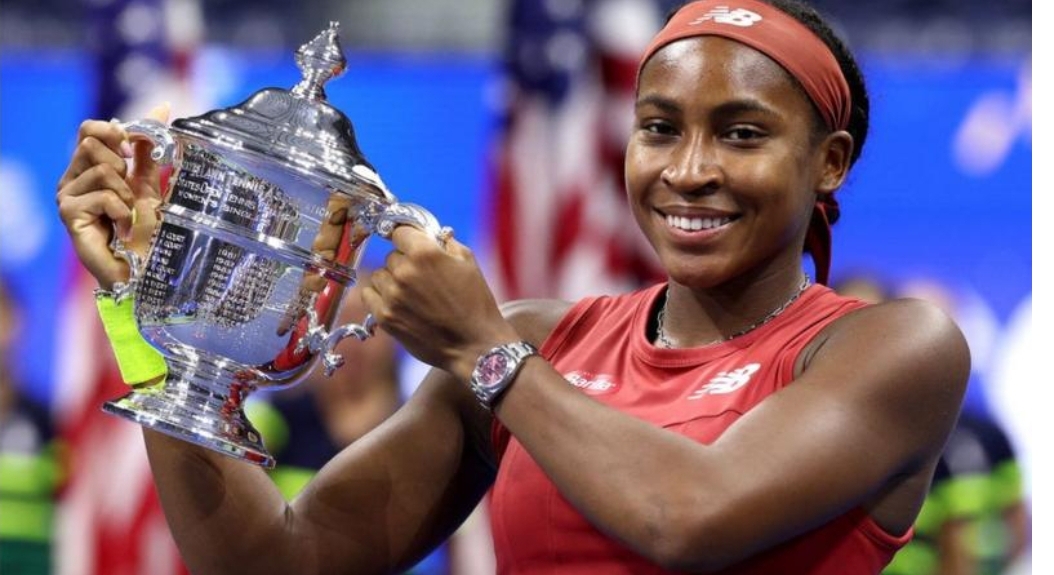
<point x="835" y="152"/>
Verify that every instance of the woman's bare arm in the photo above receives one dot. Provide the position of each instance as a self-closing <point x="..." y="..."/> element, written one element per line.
<point x="378" y="507"/>
<point x="875" y="404"/>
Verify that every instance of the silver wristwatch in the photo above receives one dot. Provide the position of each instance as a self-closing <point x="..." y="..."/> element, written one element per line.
<point x="496" y="369"/>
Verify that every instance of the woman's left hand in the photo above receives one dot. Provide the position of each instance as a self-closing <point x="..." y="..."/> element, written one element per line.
<point x="434" y="300"/>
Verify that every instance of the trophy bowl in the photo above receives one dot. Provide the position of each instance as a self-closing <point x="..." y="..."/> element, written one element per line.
<point x="265" y="214"/>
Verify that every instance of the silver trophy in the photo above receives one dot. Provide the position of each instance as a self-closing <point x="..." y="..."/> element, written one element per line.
<point x="265" y="216"/>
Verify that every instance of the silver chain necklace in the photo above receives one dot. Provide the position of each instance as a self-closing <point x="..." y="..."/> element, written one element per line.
<point x="665" y="342"/>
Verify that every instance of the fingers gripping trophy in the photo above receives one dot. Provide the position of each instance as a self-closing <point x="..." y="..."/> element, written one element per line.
<point x="263" y="221"/>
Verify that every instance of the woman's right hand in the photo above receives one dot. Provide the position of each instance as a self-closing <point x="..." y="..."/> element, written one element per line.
<point x="110" y="186"/>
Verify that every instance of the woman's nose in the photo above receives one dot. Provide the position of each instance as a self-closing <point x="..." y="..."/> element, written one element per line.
<point x="693" y="168"/>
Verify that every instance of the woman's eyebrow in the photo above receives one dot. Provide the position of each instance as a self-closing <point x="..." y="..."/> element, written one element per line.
<point x="741" y="106"/>
<point x="661" y="102"/>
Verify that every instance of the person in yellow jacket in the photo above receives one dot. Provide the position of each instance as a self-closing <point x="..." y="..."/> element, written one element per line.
<point x="974" y="520"/>
<point x="30" y="474"/>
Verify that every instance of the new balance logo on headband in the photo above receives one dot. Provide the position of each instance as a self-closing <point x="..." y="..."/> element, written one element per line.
<point x="722" y="15"/>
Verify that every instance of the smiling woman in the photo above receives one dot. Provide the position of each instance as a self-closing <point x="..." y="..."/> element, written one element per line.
<point x="735" y="416"/>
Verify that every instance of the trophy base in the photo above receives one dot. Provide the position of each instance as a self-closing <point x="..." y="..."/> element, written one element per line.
<point x="175" y="413"/>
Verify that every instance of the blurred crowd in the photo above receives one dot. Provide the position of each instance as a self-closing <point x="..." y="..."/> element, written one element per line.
<point x="944" y="27"/>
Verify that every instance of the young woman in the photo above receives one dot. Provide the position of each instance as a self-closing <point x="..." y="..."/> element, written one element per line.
<point x="735" y="417"/>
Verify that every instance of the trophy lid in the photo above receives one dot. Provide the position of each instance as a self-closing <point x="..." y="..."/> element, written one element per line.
<point x="296" y="128"/>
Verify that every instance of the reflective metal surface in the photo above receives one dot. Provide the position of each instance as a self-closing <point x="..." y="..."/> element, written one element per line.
<point x="264" y="218"/>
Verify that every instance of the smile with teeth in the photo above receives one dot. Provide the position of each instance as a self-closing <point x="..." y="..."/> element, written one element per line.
<point x="696" y="224"/>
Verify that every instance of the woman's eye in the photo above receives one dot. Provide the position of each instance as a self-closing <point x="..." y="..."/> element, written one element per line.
<point x="743" y="134"/>
<point x="661" y="128"/>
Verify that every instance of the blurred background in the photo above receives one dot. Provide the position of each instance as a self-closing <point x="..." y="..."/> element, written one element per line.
<point x="506" y="119"/>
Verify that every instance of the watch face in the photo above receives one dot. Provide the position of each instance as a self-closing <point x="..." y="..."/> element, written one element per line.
<point x="492" y="369"/>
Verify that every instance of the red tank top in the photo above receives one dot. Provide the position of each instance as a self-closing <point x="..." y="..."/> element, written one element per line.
<point x="600" y="346"/>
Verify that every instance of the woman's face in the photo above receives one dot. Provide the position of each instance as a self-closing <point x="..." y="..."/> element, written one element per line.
<point x="723" y="166"/>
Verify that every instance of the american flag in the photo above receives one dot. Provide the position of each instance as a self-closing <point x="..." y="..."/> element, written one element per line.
<point x="110" y="519"/>
<point x="560" y="224"/>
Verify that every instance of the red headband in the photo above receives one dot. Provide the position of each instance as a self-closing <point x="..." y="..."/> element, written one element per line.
<point x="798" y="50"/>
<point x="775" y="34"/>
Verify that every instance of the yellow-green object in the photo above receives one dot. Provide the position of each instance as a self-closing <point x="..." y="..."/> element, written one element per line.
<point x="138" y="361"/>
<point x="28" y="483"/>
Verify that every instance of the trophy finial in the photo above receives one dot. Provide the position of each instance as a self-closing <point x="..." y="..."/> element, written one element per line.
<point x="319" y="60"/>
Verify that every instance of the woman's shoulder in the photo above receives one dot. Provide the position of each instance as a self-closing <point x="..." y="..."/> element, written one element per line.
<point x="916" y="316"/>
<point x="920" y="317"/>
<point x="535" y="319"/>
<point x="912" y="333"/>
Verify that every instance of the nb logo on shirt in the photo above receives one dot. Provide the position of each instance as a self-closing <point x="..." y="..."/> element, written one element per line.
<point x="727" y="381"/>
<point x="722" y="15"/>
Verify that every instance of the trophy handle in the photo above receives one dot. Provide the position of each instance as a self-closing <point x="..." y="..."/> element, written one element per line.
<point x="395" y="214"/>
<point x="155" y="132"/>
<point x="383" y="220"/>
<point x="399" y="213"/>
<point x="163" y="151"/>
<point x="318" y="340"/>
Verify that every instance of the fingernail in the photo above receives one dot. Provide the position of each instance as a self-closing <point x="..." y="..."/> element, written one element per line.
<point x="135" y="216"/>
<point x="126" y="149"/>
<point x="162" y="111"/>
